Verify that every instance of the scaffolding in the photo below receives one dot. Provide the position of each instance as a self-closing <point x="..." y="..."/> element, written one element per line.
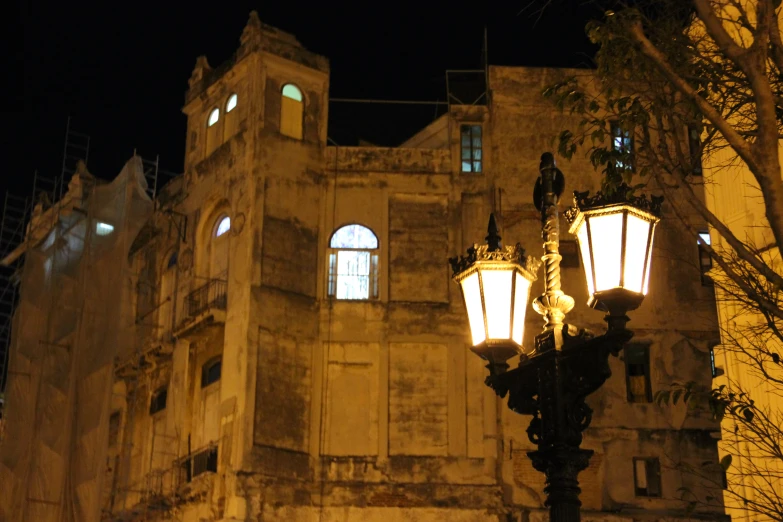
<point x="65" y="246"/>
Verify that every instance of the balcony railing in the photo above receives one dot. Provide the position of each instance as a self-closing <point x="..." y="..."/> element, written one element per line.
<point x="201" y="461"/>
<point x="210" y="295"/>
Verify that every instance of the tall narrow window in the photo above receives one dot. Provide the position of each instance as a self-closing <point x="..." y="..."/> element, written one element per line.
<point x="232" y="116"/>
<point x="637" y="373"/>
<point x="694" y="147"/>
<point x="705" y="260"/>
<point x="158" y="400"/>
<point x="622" y="145"/>
<point x="213" y="136"/>
<point x="114" y="428"/>
<point x="470" y="146"/>
<point x="647" y="476"/>
<point x="291" y="112"/>
<point x="219" y="249"/>
<point x="353" y="263"/>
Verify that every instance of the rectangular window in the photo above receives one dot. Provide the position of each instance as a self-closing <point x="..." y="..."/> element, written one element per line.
<point x="200" y="462"/>
<point x="470" y="147"/>
<point x="158" y="401"/>
<point x="570" y="253"/>
<point x="694" y="147"/>
<point x="705" y="260"/>
<point x="114" y="428"/>
<point x="353" y="274"/>
<point x="637" y="373"/>
<point x="622" y="142"/>
<point x="647" y="476"/>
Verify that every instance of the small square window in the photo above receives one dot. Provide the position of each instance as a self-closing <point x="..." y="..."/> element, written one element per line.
<point x="637" y="373"/>
<point x="158" y="401"/>
<point x="647" y="476"/>
<point x="210" y="372"/>
<point x="470" y="148"/>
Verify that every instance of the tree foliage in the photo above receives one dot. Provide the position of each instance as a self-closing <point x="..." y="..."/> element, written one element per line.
<point x="698" y="83"/>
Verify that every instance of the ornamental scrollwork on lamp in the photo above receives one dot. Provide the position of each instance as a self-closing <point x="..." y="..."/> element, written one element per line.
<point x="512" y="254"/>
<point x="584" y="201"/>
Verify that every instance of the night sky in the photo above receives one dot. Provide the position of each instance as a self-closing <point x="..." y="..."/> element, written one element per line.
<point x="120" y="69"/>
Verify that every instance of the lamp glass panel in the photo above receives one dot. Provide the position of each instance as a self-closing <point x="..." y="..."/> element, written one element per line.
<point x="606" y="233"/>
<point x="636" y="235"/>
<point x="472" y="294"/>
<point x="496" y="285"/>
<point x="649" y="260"/>
<point x="584" y="248"/>
<point x="521" y="294"/>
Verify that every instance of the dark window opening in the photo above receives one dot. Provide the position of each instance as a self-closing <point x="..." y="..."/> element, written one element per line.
<point x="694" y="147"/>
<point x="570" y="253"/>
<point x="637" y="373"/>
<point x="158" y="401"/>
<point x="470" y="146"/>
<point x="647" y="477"/>
<point x="114" y="428"/>
<point x="622" y="143"/>
<point x="210" y="372"/>
<point x="200" y="462"/>
<point x="705" y="260"/>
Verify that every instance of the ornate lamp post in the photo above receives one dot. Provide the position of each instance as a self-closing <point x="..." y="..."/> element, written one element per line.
<point x="566" y="364"/>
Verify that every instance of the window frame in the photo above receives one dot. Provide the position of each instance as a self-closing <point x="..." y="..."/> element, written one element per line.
<point x="623" y="135"/>
<point x="652" y="474"/>
<point x="207" y="366"/>
<point x="472" y="157"/>
<point x="705" y="260"/>
<point x="646" y="364"/>
<point x="301" y="101"/>
<point x="233" y="96"/>
<point x="332" y="277"/>
<point x="210" y="123"/>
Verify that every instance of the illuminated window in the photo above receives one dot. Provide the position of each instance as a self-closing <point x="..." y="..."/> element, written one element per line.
<point x="224" y="225"/>
<point x="705" y="260"/>
<point x="622" y="144"/>
<point x="103" y="229"/>
<point x="647" y="476"/>
<point x="210" y="372"/>
<point x="470" y="146"/>
<point x="291" y="112"/>
<point x="231" y="103"/>
<point x="214" y="116"/>
<point x="637" y="373"/>
<point x="158" y="400"/>
<point x="353" y="264"/>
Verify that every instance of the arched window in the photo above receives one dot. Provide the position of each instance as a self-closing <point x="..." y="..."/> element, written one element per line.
<point x="210" y="371"/>
<point x="291" y="111"/>
<point x="219" y="248"/>
<point x="353" y="263"/>
<point x="232" y="117"/>
<point x="166" y="295"/>
<point x="213" y="135"/>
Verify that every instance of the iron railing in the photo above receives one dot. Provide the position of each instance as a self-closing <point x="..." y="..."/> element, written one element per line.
<point x="199" y="462"/>
<point x="210" y="295"/>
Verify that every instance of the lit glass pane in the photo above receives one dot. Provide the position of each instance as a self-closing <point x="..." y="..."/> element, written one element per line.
<point x="521" y="294"/>
<point x="584" y="247"/>
<point x="292" y="91"/>
<point x="223" y="227"/>
<point x="476" y="166"/>
<point x="472" y="293"/>
<point x="649" y="262"/>
<point x="635" y="252"/>
<point x="103" y="229"/>
<point x="705" y="237"/>
<point x="354" y="236"/>
<point x="353" y="274"/>
<point x="213" y="117"/>
<point x="232" y="102"/>
<point x="606" y="233"/>
<point x="496" y="285"/>
<point x="466" y="154"/>
<point x="466" y="166"/>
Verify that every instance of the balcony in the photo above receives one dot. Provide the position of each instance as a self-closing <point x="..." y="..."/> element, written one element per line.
<point x="204" y="306"/>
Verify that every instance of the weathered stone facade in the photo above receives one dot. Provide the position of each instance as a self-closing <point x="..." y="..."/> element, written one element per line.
<point x="371" y="410"/>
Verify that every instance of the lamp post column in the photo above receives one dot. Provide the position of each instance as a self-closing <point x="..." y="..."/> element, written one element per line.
<point x="558" y="456"/>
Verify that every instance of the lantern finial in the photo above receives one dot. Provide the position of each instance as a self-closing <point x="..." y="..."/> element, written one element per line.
<point x="493" y="239"/>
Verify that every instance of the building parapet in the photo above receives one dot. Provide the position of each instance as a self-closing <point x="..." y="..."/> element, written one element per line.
<point x="388" y="159"/>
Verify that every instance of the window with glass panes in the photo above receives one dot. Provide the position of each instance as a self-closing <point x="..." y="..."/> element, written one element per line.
<point x="622" y="142"/>
<point x="353" y="264"/>
<point x="470" y="146"/>
<point x="637" y="372"/>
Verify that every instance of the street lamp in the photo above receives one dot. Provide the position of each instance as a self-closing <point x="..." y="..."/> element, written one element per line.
<point x="566" y="364"/>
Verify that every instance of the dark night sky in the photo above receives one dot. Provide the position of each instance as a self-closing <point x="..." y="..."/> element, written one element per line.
<point x="120" y="69"/>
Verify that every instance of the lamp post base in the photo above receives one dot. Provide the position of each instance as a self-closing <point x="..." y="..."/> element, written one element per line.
<point x="562" y="465"/>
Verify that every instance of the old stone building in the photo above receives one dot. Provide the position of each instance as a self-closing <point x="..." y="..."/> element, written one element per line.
<point x="276" y="337"/>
